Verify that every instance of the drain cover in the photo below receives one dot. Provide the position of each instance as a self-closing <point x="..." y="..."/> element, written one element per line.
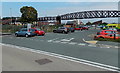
<point x="43" y="61"/>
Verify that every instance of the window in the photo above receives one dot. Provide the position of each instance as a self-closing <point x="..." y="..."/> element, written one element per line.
<point x="108" y="32"/>
<point x="118" y="35"/>
<point x="24" y="29"/>
<point x="32" y="30"/>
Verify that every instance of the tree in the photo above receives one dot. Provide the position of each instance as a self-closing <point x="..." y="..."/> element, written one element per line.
<point x="29" y="14"/>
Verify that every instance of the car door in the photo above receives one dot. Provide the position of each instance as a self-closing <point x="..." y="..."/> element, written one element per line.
<point x="20" y="32"/>
<point x="108" y="32"/>
<point x="24" y="31"/>
<point x="59" y="30"/>
<point x="32" y="31"/>
<point x="110" y="36"/>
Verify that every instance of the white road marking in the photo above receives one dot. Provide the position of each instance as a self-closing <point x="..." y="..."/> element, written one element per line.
<point x="64" y="42"/>
<point x="86" y="62"/>
<point x="67" y="40"/>
<point x="92" y="45"/>
<point x="116" y="47"/>
<point x="82" y="44"/>
<point x="104" y="47"/>
<point x="56" y="41"/>
<point x="52" y="40"/>
<point x="72" y="43"/>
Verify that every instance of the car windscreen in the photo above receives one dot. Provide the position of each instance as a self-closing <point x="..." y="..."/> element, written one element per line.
<point x="38" y="29"/>
<point x="24" y="29"/>
<point x="31" y="30"/>
<point x="61" y="28"/>
<point x="118" y="35"/>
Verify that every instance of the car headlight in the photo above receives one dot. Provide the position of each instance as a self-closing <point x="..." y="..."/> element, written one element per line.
<point x="28" y="33"/>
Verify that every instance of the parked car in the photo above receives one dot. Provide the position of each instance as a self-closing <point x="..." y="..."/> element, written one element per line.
<point x="71" y="29"/>
<point x="25" y="32"/>
<point x="39" y="31"/>
<point x="78" y="28"/>
<point x="108" y="36"/>
<point x="61" y="30"/>
<point x="84" y="27"/>
<point x="105" y="32"/>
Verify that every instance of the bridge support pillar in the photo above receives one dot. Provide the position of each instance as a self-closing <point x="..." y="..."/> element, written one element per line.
<point x="58" y="19"/>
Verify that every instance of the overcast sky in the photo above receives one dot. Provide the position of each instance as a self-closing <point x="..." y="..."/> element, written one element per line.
<point x="58" y="8"/>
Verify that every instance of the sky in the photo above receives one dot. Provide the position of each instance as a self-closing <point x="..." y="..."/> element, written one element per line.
<point x="58" y="8"/>
<point x="60" y="0"/>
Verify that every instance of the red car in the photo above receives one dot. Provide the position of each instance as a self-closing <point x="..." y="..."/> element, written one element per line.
<point x="81" y="28"/>
<point x="39" y="32"/>
<point x="77" y="28"/>
<point x="84" y="28"/>
<point x="105" y="32"/>
<point x="108" y="36"/>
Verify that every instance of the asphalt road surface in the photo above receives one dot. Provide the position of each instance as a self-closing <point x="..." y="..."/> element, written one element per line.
<point x="15" y="59"/>
<point x="71" y="45"/>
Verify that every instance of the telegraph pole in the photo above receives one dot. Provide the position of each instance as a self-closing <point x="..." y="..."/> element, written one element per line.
<point x="11" y="14"/>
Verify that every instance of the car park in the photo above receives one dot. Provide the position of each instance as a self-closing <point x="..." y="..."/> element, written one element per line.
<point x="39" y="31"/>
<point x="25" y="32"/>
<point x="61" y="30"/>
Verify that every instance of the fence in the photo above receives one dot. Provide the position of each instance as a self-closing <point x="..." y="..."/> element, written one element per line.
<point x="14" y="28"/>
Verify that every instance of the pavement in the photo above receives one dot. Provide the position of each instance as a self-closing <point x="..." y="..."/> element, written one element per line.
<point x="15" y="59"/>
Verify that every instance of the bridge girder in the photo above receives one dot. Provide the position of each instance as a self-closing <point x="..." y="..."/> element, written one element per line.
<point x="85" y="15"/>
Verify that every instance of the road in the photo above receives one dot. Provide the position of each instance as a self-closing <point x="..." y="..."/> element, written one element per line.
<point x="15" y="59"/>
<point x="70" y="45"/>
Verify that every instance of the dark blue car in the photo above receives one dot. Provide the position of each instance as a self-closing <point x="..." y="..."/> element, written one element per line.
<point x="71" y="29"/>
<point x="25" y="32"/>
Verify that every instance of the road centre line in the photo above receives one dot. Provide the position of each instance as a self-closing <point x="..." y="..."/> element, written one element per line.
<point x="86" y="62"/>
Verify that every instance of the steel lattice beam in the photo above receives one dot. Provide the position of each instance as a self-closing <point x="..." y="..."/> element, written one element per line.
<point x="85" y="15"/>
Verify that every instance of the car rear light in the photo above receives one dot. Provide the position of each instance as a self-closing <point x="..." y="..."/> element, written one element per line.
<point x="67" y="28"/>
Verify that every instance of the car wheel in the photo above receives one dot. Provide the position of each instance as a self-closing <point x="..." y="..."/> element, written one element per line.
<point x="101" y="37"/>
<point x="54" y="31"/>
<point x="37" y="34"/>
<point x="16" y="35"/>
<point x="26" y="36"/>
<point x="43" y="34"/>
<point x="65" y="32"/>
<point x="73" y="31"/>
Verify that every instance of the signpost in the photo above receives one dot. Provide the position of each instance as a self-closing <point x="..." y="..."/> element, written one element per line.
<point x="28" y="26"/>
